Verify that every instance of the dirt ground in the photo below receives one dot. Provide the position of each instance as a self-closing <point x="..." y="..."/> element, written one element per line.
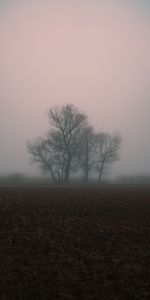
<point x="75" y="243"/>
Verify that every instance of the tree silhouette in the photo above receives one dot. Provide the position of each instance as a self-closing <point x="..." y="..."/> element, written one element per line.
<point x="72" y="145"/>
<point x="107" y="148"/>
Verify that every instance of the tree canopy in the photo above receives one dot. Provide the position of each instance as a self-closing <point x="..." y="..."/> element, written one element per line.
<point x="71" y="145"/>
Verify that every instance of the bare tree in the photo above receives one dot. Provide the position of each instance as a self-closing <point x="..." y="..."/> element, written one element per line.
<point x="86" y="150"/>
<point x="106" y="151"/>
<point x="71" y="145"/>
<point x="67" y="121"/>
<point x="55" y="152"/>
<point x="42" y="154"/>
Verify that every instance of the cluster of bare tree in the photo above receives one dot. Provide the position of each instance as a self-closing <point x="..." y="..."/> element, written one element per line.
<point x="72" y="145"/>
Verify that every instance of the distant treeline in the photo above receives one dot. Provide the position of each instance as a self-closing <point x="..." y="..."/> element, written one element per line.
<point x="19" y="179"/>
<point x="134" y="179"/>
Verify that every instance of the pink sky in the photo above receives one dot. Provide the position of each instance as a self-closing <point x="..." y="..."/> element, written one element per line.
<point x="95" y="56"/>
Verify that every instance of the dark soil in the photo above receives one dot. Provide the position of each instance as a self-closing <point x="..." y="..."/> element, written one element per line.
<point x="71" y="243"/>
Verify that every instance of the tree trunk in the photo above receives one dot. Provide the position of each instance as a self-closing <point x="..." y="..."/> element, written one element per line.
<point x="52" y="175"/>
<point x="67" y="169"/>
<point x="58" y="177"/>
<point x="86" y="162"/>
<point x="101" y="173"/>
<point x="86" y="177"/>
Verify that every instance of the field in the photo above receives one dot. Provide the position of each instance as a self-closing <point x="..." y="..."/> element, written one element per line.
<point x="75" y="243"/>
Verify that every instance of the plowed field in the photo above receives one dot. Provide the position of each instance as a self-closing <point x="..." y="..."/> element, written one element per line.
<point x="75" y="243"/>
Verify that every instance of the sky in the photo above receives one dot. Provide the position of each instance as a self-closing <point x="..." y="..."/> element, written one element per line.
<point x="94" y="54"/>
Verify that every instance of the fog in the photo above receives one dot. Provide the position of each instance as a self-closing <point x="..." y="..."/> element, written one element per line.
<point x="94" y="54"/>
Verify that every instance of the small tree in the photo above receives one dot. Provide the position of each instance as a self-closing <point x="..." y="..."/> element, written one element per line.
<point x="86" y="150"/>
<point x="43" y="154"/>
<point x="107" y="148"/>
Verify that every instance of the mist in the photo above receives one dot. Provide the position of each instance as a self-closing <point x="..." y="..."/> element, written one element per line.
<point x="92" y="54"/>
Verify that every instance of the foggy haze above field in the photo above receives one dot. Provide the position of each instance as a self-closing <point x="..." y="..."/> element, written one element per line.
<point x="94" y="54"/>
